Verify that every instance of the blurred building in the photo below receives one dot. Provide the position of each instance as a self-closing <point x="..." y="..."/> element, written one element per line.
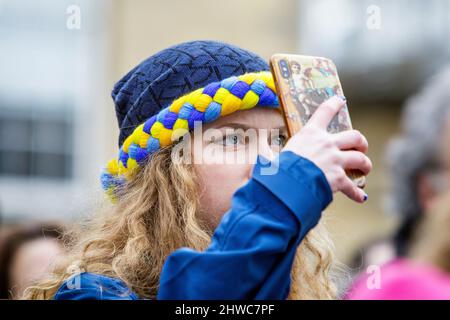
<point x="54" y="113"/>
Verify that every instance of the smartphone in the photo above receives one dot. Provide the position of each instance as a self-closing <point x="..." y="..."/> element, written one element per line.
<point x="303" y="83"/>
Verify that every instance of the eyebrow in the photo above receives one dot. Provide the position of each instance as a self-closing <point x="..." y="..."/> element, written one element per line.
<point x="238" y="125"/>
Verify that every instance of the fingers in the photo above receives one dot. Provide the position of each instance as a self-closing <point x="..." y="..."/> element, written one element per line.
<point x="352" y="191"/>
<point x="326" y="111"/>
<point x="356" y="160"/>
<point x="351" y="139"/>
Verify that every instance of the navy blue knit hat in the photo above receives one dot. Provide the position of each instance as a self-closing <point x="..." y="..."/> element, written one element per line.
<point x="173" y="72"/>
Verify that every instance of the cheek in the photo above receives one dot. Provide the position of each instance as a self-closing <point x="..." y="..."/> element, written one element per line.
<point x="218" y="182"/>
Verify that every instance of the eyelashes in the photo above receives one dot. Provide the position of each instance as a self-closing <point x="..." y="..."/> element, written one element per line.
<point x="239" y="138"/>
<point x="280" y="139"/>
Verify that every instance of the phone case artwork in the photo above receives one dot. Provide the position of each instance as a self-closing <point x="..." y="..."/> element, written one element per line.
<point x="308" y="81"/>
<point x="303" y="83"/>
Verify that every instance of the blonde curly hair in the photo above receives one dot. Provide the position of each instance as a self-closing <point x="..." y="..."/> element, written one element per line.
<point x="132" y="239"/>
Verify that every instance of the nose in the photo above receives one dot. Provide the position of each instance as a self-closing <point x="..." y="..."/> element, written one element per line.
<point x="264" y="150"/>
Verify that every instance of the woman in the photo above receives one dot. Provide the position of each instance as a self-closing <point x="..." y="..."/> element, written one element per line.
<point x="208" y="228"/>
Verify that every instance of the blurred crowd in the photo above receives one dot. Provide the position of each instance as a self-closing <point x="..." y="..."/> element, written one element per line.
<point x="413" y="263"/>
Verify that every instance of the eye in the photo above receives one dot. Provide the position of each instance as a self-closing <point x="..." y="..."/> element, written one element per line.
<point x="234" y="139"/>
<point x="278" y="140"/>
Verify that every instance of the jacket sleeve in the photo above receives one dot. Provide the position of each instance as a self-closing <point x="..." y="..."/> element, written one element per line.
<point x="253" y="248"/>
<point x="90" y="286"/>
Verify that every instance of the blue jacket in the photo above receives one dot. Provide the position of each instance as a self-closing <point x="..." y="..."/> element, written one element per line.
<point x="252" y="249"/>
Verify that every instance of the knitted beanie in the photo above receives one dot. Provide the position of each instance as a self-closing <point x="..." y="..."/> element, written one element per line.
<point x="176" y="87"/>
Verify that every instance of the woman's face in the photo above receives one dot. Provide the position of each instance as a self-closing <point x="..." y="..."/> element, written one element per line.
<point x="31" y="262"/>
<point x="229" y="148"/>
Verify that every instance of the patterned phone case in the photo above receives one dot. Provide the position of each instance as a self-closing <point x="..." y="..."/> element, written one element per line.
<point x="303" y="83"/>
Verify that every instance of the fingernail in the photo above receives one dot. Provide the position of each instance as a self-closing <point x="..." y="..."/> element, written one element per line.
<point x="342" y="98"/>
<point x="365" y="197"/>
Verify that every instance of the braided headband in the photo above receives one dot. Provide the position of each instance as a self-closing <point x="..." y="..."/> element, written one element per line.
<point x="205" y="105"/>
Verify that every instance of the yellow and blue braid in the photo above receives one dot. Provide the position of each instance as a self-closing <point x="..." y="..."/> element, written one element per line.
<point x="206" y="104"/>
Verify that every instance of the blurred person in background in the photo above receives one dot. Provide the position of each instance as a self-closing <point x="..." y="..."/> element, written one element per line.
<point x="27" y="253"/>
<point x="432" y="246"/>
<point x="419" y="164"/>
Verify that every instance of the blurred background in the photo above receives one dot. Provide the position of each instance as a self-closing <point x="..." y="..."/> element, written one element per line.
<point x="60" y="59"/>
